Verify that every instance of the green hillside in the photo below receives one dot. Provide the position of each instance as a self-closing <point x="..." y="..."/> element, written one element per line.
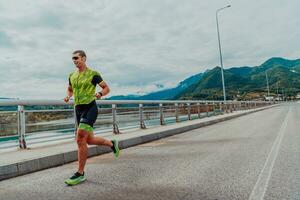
<point x="244" y="83"/>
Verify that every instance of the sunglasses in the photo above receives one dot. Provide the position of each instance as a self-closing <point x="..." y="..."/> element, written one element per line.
<point x="75" y="58"/>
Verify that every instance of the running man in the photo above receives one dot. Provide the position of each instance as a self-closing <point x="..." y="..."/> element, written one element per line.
<point x="82" y="84"/>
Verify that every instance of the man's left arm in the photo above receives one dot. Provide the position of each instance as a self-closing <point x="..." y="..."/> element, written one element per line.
<point x="105" y="90"/>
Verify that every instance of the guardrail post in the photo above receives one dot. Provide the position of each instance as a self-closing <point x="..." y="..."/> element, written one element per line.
<point x="114" y="114"/>
<point x="199" y="111"/>
<point x="21" y="127"/>
<point x="142" y="124"/>
<point x="214" y="109"/>
<point x="221" y="107"/>
<point x="161" y="114"/>
<point x="207" y="109"/>
<point x="176" y="112"/>
<point x="189" y="111"/>
<point x="226" y="107"/>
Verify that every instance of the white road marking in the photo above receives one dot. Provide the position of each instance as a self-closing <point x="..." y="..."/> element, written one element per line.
<point x="261" y="185"/>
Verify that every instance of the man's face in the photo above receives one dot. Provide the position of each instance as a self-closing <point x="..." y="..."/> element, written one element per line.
<point x="78" y="60"/>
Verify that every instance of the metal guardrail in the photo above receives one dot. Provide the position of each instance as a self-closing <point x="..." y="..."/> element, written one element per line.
<point x="189" y="108"/>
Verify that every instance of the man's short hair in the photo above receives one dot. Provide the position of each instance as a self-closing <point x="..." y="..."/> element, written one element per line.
<point x="81" y="53"/>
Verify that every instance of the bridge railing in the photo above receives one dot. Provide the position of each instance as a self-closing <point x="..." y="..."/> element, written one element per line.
<point x="24" y="122"/>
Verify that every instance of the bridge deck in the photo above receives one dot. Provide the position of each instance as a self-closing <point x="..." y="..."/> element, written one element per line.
<point x="228" y="160"/>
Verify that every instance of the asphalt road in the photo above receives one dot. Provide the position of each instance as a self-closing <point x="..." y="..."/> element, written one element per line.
<point x="252" y="157"/>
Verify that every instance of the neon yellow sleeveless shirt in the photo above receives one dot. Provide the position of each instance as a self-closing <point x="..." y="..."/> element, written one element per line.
<point x="84" y="85"/>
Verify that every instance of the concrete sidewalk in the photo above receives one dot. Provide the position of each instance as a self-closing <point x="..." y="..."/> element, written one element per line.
<point x="22" y="162"/>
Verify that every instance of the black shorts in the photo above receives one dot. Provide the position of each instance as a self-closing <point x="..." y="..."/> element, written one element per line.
<point x="86" y="113"/>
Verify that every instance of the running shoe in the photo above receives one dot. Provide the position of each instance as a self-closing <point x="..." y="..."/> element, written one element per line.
<point x="75" y="179"/>
<point x="115" y="148"/>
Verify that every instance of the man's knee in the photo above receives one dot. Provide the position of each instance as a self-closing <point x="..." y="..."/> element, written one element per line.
<point x="81" y="136"/>
<point x="83" y="132"/>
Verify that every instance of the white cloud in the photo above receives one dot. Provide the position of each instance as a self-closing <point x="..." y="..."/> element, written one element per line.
<point x="136" y="44"/>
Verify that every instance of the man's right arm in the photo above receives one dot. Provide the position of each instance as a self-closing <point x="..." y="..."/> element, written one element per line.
<point x="69" y="93"/>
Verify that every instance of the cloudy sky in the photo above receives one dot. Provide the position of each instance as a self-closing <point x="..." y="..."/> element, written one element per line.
<point x="136" y="44"/>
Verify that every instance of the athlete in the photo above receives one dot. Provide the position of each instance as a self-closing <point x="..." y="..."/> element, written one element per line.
<point x="82" y="84"/>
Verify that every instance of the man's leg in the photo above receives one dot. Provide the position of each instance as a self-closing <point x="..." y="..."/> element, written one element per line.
<point x="87" y="121"/>
<point x="93" y="140"/>
<point x="82" y="136"/>
<point x="81" y="139"/>
<point x="113" y="144"/>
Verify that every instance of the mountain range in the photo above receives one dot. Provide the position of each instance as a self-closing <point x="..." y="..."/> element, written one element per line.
<point x="163" y="94"/>
<point x="242" y="83"/>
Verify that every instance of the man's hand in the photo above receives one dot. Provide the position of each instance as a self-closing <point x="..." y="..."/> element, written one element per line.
<point x="66" y="99"/>
<point x="98" y="95"/>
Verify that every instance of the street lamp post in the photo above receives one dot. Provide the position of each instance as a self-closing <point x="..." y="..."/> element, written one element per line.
<point x="277" y="91"/>
<point x="220" y="51"/>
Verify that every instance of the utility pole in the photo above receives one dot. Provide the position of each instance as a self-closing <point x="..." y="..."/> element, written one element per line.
<point x="267" y="84"/>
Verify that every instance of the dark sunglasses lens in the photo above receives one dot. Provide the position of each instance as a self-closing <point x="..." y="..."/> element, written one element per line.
<point x="75" y="58"/>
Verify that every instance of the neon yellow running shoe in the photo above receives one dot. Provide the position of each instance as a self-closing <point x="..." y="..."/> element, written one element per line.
<point x="75" y="179"/>
<point x="115" y="148"/>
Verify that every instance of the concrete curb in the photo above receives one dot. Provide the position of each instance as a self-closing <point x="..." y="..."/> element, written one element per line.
<point x="37" y="164"/>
